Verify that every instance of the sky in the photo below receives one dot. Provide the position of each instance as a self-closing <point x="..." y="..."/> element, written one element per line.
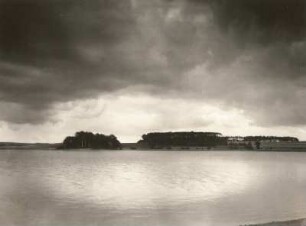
<point x="128" y="67"/>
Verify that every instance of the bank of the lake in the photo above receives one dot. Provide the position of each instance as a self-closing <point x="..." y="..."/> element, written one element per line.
<point x="299" y="222"/>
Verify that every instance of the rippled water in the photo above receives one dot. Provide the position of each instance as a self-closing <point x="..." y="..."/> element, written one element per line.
<point x="146" y="188"/>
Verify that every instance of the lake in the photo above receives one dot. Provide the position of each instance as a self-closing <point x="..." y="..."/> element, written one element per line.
<point x="150" y="188"/>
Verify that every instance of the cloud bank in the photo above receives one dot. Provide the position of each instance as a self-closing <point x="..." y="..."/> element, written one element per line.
<point x="238" y="54"/>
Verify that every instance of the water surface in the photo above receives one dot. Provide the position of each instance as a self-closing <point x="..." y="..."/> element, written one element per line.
<point x="150" y="188"/>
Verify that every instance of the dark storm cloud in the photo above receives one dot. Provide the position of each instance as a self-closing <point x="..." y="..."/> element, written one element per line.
<point x="268" y="20"/>
<point x="273" y="33"/>
<point x="257" y="60"/>
<point x="33" y="30"/>
<point x="41" y="50"/>
<point x="53" y="51"/>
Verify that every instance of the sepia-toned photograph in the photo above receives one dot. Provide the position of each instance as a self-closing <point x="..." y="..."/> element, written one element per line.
<point x="152" y="112"/>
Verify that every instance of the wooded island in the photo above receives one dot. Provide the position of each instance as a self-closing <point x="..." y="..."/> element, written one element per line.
<point x="171" y="140"/>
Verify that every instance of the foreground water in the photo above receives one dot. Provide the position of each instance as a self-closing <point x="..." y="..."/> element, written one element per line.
<point x="146" y="188"/>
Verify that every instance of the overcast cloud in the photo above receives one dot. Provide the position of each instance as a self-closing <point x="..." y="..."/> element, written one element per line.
<point x="244" y="56"/>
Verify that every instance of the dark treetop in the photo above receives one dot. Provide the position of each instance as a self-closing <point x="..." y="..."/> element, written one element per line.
<point x="186" y="139"/>
<point x="90" y="140"/>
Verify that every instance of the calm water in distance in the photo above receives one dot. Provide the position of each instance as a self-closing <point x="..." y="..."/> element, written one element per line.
<point x="150" y="188"/>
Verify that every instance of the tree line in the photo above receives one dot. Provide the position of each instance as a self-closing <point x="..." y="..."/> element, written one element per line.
<point x="185" y="139"/>
<point x="270" y="138"/>
<point x="89" y="140"/>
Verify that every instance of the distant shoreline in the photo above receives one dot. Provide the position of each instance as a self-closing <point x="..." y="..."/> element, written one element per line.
<point x="28" y="146"/>
<point x="54" y="147"/>
<point x="298" y="222"/>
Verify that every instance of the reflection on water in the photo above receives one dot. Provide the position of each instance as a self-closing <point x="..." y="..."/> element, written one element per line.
<point x="120" y="188"/>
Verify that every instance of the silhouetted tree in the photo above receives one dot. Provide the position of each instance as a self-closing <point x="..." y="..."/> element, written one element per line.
<point x="257" y="145"/>
<point x="89" y="140"/>
<point x="270" y="138"/>
<point x="185" y="139"/>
